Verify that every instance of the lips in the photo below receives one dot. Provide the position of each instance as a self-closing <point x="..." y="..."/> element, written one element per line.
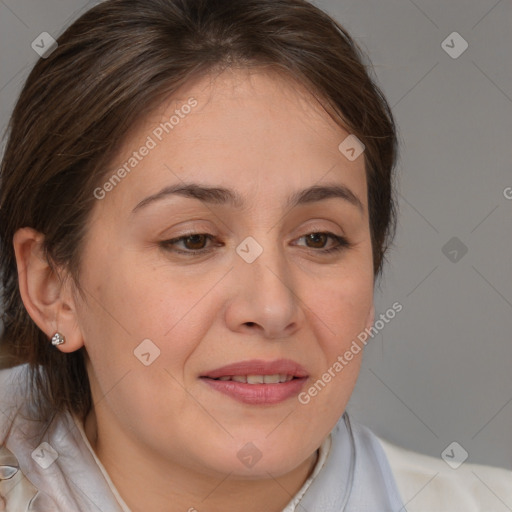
<point x="258" y="379"/>
<point x="280" y="367"/>
<point x="258" y="382"/>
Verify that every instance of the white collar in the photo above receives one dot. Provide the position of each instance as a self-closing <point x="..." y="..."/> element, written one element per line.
<point x="323" y="452"/>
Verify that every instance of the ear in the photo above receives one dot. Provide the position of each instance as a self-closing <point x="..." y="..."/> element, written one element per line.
<point x="46" y="294"/>
<point x="371" y="316"/>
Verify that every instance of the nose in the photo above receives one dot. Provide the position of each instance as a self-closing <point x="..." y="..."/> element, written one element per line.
<point x="264" y="298"/>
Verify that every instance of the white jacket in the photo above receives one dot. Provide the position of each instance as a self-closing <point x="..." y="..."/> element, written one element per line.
<point x="429" y="484"/>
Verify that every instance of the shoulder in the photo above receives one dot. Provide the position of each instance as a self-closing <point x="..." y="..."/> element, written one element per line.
<point x="17" y="492"/>
<point x="429" y="483"/>
<point x="10" y="380"/>
<point x="13" y="387"/>
<point x="41" y="459"/>
<point x="8" y="377"/>
<point x="16" y="418"/>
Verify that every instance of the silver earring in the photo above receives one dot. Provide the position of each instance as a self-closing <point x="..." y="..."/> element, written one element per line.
<point x="58" y="339"/>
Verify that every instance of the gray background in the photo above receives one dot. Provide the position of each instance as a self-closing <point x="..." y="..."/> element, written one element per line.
<point x="440" y="370"/>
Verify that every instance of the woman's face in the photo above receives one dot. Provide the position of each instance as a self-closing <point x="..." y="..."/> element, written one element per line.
<point x="229" y="271"/>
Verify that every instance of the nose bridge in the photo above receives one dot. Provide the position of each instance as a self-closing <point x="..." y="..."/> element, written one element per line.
<point x="265" y="294"/>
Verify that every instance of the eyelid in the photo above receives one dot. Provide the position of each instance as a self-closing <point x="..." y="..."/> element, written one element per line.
<point x="182" y="237"/>
<point x="342" y="243"/>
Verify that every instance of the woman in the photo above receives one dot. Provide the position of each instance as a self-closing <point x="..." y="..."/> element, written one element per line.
<point x="196" y="202"/>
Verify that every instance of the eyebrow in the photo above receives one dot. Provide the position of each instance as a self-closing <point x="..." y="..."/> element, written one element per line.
<point x="223" y="196"/>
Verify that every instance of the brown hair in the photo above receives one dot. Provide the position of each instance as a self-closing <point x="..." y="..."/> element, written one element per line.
<point x="111" y="67"/>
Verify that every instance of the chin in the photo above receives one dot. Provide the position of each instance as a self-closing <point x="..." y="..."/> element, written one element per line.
<point x="263" y="469"/>
<point x="259" y="459"/>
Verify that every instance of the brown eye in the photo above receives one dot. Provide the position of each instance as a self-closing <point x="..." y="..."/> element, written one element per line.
<point x="316" y="240"/>
<point x="195" y="242"/>
<point x="319" y="241"/>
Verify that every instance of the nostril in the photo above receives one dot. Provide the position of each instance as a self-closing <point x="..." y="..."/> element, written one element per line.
<point x="250" y="324"/>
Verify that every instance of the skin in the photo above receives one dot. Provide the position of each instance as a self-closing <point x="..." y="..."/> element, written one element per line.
<point x="169" y="441"/>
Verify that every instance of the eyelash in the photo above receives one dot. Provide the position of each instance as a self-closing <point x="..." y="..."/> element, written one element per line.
<point x="343" y="243"/>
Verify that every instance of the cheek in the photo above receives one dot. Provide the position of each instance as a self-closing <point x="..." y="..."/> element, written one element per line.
<point x="127" y="307"/>
<point x="341" y="305"/>
<point x="140" y="328"/>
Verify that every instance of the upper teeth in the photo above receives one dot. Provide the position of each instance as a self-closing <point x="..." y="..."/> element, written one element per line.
<point x="259" y="379"/>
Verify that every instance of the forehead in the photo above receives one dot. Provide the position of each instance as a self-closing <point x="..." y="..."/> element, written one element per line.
<point x="255" y="131"/>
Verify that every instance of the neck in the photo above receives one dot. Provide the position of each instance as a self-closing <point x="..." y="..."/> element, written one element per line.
<point x="163" y="486"/>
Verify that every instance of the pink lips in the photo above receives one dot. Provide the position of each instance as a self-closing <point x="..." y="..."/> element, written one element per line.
<point x="258" y="393"/>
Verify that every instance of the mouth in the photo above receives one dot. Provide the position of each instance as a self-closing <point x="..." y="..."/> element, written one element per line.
<point x="281" y="369"/>
<point x="258" y="379"/>
<point x="258" y="382"/>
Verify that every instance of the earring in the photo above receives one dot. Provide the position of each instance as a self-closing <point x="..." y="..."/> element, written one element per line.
<point x="58" y="339"/>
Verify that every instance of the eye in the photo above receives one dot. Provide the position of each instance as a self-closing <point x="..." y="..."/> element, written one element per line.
<point x="200" y="243"/>
<point x="318" y="241"/>
<point x="192" y="243"/>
